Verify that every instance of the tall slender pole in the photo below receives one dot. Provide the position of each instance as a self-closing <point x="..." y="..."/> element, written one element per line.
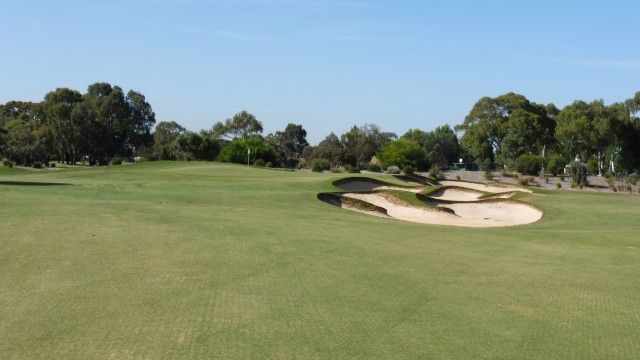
<point x="248" y="157"/>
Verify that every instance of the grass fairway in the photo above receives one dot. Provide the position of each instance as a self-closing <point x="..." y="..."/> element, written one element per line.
<point x="206" y="260"/>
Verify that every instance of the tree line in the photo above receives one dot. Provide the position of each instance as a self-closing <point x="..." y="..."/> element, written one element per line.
<point x="105" y="125"/>
<point x="68" y="126"/>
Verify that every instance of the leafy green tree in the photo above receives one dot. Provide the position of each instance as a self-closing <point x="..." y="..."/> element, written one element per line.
<point x="197" y="146"/>
<point x="528" y="164"/>
<point x="26" y="141"/>
<point x="555" y="164"/>
<point x="574" y="129"/>
<point x="68" y="138"/>
<point x="291" y="141"/>
<point x="626" y="151"/>
<point x="404" y="153"/>
<point x="589" y="129"/>
<point x="335" y="156"/>
<point x="289" y="144"/>
<point x="505" y="127"/>
<point x="442" y="147"/>
<point x="243" y="125"/>
<point x="237" y="150"/>
<point x="25" y="136"/>
<point x="106" y="113"/>
<point x="331" y="140"/>
<point x="164" y="136"/>
<point x="417" y="135"/>
<point x="364" y="142"/>
<point x="141" y="121"/>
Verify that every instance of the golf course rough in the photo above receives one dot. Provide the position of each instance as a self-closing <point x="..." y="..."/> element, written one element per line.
<point x="200" y="260"/>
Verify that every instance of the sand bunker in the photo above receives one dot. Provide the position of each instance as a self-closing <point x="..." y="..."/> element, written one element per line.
<point x="456" y="203"/>
<point x="490" y="188"/>
<point x="369" y="184"/>
<point x="455" y="193"/>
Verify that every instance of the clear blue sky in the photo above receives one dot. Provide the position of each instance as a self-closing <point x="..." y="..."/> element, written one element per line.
<point x="325" y="64"/>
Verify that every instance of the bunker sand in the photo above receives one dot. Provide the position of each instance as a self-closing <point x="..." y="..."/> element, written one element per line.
<point x="455" y="204"/>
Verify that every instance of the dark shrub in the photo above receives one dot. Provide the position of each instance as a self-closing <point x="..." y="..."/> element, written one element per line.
<point x="374" y="168"/>
<point x="488" y="174"/>
<point x="37" y="165"/>
<point x="351" y="169"/>
<point x="319" y="165"/>
<point x="269" y="164"/>
<point x="8" y="163"/>
<point x="259" y="162"/>
<point x="115" y="161"/>
<point x="407" y="170"/>
<point x="556" y="164"/>
<point x="592" y="166"/>
<point x="528" y="164"/>
<point x="579" y="174"/>
<point x="290" y="163"/>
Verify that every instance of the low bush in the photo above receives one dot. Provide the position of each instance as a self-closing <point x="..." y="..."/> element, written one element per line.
<point x="393" y="169"/>
<point x="488" y="174"/>
<point x="555" y="164"/>
<point x="115" y="161"/>
<point x="528" y="164"/>
<point x="633" y="179"/>
<point x="610" y="182"/>
<point x="407" y="170"/>
<point x="319" y="165"/>
<point x="559" y="185"/>
<point x="609" y="175"/>
<point x="259" y="163"/>
<point x="505" y="173"/>
<point x="579" y="173"/>
<point x="528" y="180"/>
<point x="8" y="163"/>
<point x="592" y="166"/>
<point x="435" y="173"/>
<point x="269" y="164"/>
<point x="37" y="165"/>
<point x="351" y="169"/>
<point x="374" y="168"/>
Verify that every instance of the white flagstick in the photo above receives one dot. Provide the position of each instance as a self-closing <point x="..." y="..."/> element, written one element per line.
<point x="248" y="156"/>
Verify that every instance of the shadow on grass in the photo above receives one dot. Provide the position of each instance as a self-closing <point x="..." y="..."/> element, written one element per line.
<point x="31" y="183"/>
